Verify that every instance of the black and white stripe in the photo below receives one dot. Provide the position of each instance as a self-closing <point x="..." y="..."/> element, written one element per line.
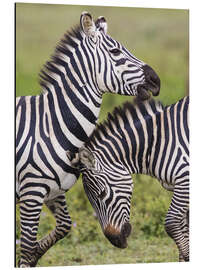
<point x="142" y="137"/>
<point x="86" y="63"/>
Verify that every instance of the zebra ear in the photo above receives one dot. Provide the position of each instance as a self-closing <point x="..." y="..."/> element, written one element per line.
<point x="101" y="24"/>
<point x="87" y="24"/>
<point x="86" y="158"/>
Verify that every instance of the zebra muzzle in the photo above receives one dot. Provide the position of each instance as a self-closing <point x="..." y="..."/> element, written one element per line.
<point x="152" y="84"/>
<point x="116" y="237"/>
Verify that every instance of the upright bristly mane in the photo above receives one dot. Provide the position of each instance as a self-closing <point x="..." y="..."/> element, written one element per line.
<point x="120" y="113"/>
<point x="65" y="47"/>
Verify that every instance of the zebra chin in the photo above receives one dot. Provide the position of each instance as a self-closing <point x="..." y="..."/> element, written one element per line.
<point x="116" y="237"/>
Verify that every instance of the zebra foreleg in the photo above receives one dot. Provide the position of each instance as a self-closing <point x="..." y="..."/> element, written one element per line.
<point x="176" y="225"/>
<point x="185" y="232"/>
<point x="63" y="225"/>
<point x="30" y="209"/>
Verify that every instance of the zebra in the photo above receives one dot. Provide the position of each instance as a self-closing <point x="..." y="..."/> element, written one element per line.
<point x="141" y="138"/>
<point x="86" y="63"/>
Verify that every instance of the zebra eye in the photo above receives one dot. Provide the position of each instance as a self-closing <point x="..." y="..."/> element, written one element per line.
<point x="102" y="194"/>
<point x="115" y="51"/>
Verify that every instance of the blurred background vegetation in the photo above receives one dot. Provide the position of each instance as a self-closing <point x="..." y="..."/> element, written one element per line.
<point x="160" y="37"/>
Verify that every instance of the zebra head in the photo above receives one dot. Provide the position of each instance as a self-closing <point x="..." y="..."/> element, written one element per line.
<point x="109" y="191"/>
<point x="116" y="70"/>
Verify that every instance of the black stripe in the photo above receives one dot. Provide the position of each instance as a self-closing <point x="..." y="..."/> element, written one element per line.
<point x="81" y="107"/>
<point x="105" y="69"/>
<point x="89" y="65"/>
<point x="21" y="150"/>
<point x="174" y="141"/>
<point x="157" y="144"/>
<point x="46" y="162"/>
<point x="99" y="61"/>
<point x="33" y="193"/>
<point x="33" y="184"/>
<point x="179" y="131"/>
<point x="178" y="156"/>
<point x="60" y="136"/>
<point x="21" y="126"/>
<point x="111" y="43"/>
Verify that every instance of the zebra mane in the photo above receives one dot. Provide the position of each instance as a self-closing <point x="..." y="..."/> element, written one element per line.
<point x="64" y="46"/>
<point x="120" y="113"/>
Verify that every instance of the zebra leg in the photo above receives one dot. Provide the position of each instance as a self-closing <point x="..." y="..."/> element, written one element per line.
<point x="175" y="223"/>
<point x="185" y="232"/>
<point x="30" y="209"/>
<point x="63" y="225"/>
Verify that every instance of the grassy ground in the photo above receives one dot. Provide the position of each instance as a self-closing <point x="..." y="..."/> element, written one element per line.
<point x="158" y="37"/>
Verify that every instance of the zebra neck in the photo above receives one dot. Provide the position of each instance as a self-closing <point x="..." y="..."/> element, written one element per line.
<point x="72" y="117"/>
<point x="65" y="75"/>
<point x="136" y="144"/>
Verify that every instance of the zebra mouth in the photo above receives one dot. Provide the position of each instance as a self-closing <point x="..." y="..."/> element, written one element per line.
<point x="143" y="90"/>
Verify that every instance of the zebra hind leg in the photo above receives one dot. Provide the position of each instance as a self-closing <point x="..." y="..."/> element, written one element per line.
<point x="59" y="209"/>
<point x="177" y="226"/>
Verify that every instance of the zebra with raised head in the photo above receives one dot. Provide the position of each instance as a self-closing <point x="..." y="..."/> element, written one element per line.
<point x="144" y="138"/>
<point x="86" y="64"/>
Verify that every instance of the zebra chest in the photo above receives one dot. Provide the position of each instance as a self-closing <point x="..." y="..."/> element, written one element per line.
<point x="65" y="184"/>
<point x="68" y="181"/>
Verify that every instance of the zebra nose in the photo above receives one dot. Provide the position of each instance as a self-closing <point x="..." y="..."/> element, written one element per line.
<point x="116" y="237"/>
<point x="152" y="80"/>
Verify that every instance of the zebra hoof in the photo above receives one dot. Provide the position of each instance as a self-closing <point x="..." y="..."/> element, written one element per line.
<point x="187" y="259"/>
<point x="23" y="265"/>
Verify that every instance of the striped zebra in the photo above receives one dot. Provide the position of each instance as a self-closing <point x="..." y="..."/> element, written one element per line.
<point x="144" y="138"/>
<point x="86" y="64"/>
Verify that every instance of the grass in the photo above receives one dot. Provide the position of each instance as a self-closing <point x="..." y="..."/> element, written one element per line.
<point x="160" y="38"/>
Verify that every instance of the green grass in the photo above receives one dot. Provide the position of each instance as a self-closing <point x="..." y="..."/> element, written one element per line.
<point x="160" y="38"/>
